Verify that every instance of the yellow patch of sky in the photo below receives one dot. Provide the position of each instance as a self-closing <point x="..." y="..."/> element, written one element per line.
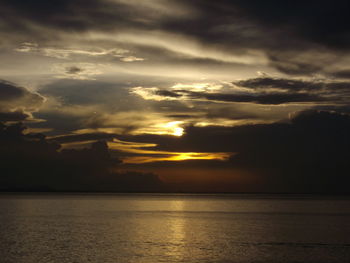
<point x="150" y="93"/>
<point x="148" y="156"/>
<point x="168" y="128"/>
<point x="209" y="87"/>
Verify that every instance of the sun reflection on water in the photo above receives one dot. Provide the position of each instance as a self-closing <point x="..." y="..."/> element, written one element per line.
<point x="177" y="233"/>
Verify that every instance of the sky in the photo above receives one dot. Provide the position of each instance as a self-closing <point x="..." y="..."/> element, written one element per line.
<point x="197" y="95"/>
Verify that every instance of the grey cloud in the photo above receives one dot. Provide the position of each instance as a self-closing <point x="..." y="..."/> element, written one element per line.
<point x="31" y="18"/>
<point x="296" y="19"/>
<point x="82" y="137"/>
<point x="13" y="116"/>
<point x="17" y="102"/>
<point x="281" y="84"/>
<point x="342" y="74"/>
<point x="281" y="30"/>
<point x="11" y="93"/>
<point x="229" y="113"/>
<point x="307" y="154"/>
<point x="271" y="98"/>
<point x="30" y="162"/>
<point x="167" y="93"/>
<point x="332" y="91"/>
<point x="289" y="66"/>
<point x="88" y="92"/>
<point x="295" y="36"/>
<point x="73" y="70"/>
<point x="67" y="15"/>
<point x="267" y="90"/>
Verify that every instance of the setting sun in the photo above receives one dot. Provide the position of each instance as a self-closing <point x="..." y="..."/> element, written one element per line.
<point x="178" y="131"/>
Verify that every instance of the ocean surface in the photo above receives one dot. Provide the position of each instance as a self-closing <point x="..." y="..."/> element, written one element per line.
<point x="153" y="228"/>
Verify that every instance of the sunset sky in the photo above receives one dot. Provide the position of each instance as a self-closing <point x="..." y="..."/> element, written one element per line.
<point x="208" y="95"/>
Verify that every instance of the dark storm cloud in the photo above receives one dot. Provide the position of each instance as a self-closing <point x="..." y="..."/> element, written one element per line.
<point x="267" y="90"/>
<point x="11" y="93"/>
<point x="281" y="30"/>
<point x="271" y="98"/>
<point x="67" y="15"/>
<point x="60" y="122"/>
<point x="299" y="38"/>
<point x="322" y="21"/>
<point x="288" y="64"/>
<point x="322" y="90"/>
<point x="17" y="102"/>
<point x="13" y="116"/>
<point x="307" y="20"/>
<point x="32" y="163"/>
<point x="229" y="113"/>
<point x="342" y="74"/>
<point x="309" y="153"/>
<point x="282" y="84"/>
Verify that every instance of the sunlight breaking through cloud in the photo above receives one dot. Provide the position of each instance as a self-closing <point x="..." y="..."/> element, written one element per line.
<point x="148" y="156"/>
<point x="169" y="128"/>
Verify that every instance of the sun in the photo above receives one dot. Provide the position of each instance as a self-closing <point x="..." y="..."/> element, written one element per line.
<point x="178" y="131"/>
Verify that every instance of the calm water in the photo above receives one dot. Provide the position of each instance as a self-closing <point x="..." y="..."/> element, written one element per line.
<point x="172" y="228"/>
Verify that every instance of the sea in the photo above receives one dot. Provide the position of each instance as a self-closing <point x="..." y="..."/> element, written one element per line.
<point x="189" y="228"/>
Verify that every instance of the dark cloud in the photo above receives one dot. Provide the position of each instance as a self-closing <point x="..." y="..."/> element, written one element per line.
<point x="73" y="70"/>
<point x="271" y="98"/>
<point x="84" y="104"/>
<point x="308" y="154"/>
<point x="167" y="93"/>
<point x="76" y="15"/>
<point x="85" y="92"/>
<point x="282" y="31"/>
<point x="13" y="116"/>
<point x="232" y="112"/>
<point x="288" y="64"/>
<point x="17" y="102"/>
<point x="332" y="91"/>
<point x="306" y="19"/>
<point x="295" y="85"/>
<point x="295" y="36"/>
<point x="273" y="91"/>
<point x="32" y="163"/>
<point x="282" y="84"/>
<point x="61" y="123"/>
<point x="342" y="74"/>
<point x="298" y="19"/>
<point x="317" y="90"/>
<point x="180" y="116"/>
<point x="82" y="137"/>
<point x="333" y="108"/>
<point x="11" y="95"/>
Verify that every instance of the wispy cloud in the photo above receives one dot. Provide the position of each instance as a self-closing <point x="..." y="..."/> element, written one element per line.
<point x="123" y="55"/>
<point x="264" y="90"/>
